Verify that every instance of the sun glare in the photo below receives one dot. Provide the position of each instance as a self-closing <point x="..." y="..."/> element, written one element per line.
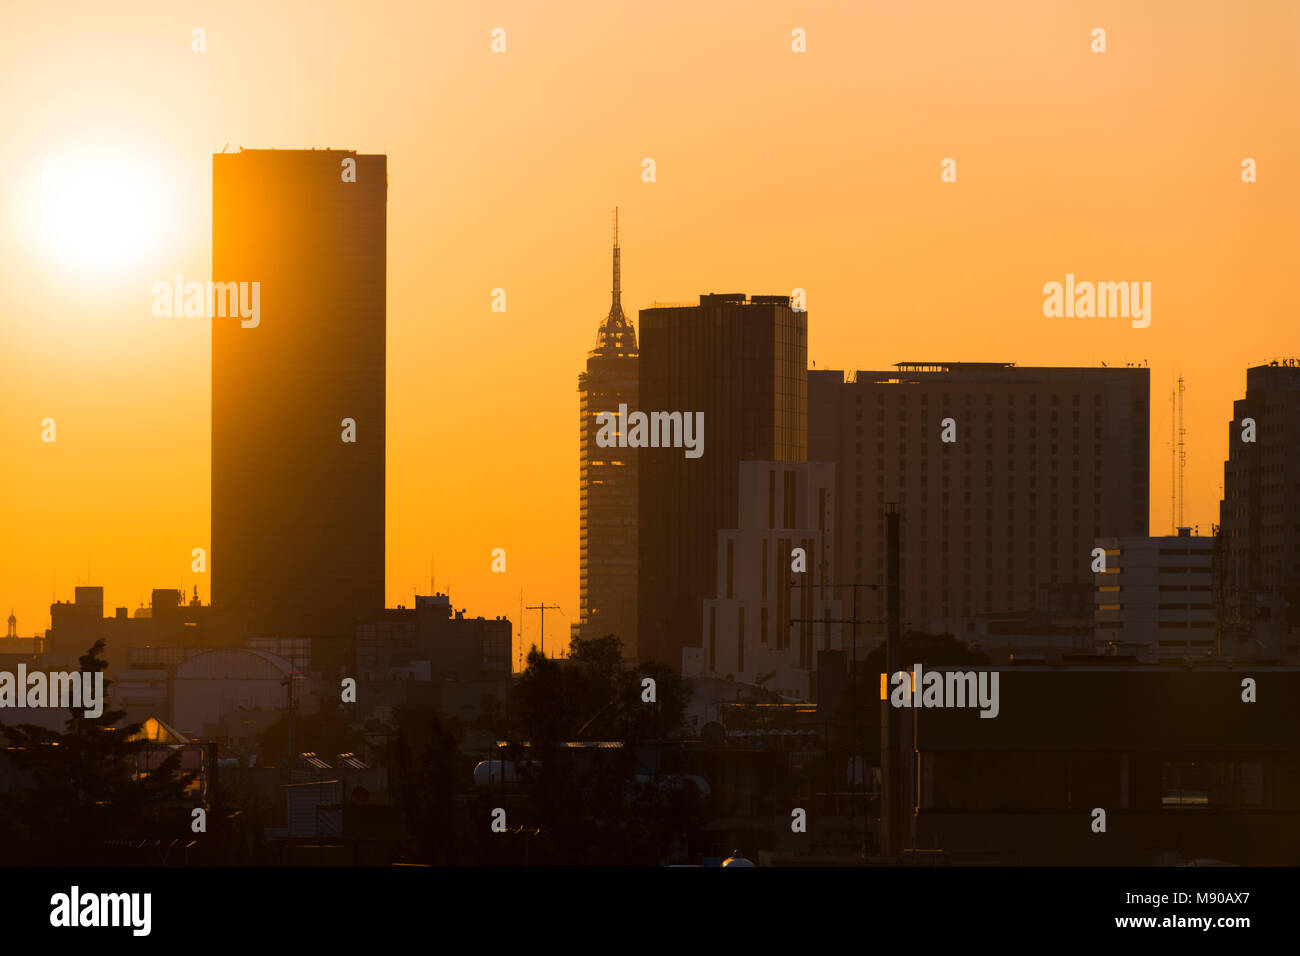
<point x="94" y="213"/>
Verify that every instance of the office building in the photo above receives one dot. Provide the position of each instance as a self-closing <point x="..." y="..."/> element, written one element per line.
<point x="1004" y="477"/>
<point x="607" y="481"/>
<point x="769" y="620"/>
<point x="1155" y="600"/>
<point x="742" y="363"/>
<point x="298" y="396"/>
<point x="1259" y="517"/>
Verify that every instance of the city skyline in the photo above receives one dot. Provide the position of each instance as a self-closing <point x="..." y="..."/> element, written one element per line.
<point x="128" y="390"/>
<point x="933" y="507"/>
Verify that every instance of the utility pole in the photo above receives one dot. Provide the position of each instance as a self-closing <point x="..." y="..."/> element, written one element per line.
<point x="543" y="607"/>
<point x="891" y="758"/>
<point x="860" y="768"/>
<point x="293" y="718"/>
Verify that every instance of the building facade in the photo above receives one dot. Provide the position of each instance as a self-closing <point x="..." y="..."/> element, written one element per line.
<point x="1004" y="477"/>
<point x="1259" y="517"/>
<point x="298" y="413"/>
<point x="766" y="624"/>
<point x="1155" y="600"/>
<point x="742" y="363"/>
<point x="448" y="646"/>
<point x="607" y="481"/>
<point x="1184" y="771"/>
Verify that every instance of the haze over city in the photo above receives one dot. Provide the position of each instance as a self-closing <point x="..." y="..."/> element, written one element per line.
<point x="774" y="172"/>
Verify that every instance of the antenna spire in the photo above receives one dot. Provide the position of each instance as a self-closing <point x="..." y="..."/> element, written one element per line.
<point x="616" y="331"/>
<point x="617" y="307"/>
<point x="1182" y="450"/>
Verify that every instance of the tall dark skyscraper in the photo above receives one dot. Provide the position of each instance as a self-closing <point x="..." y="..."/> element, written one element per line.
<point x="1259" y="572"/>
<point x="1004" y="516"/>
<point x="608" y="480"/>
<point x="298" y="399"/>
<point x="743" y="363"/>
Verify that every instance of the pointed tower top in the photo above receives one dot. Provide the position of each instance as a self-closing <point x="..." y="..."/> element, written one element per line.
<point x="616" y="331"/>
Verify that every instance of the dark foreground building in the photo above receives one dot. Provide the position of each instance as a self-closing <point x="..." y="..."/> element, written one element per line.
<point x="742" y="362"/>
<point x="298" y="398"/>
<point x="1184" y="769"/>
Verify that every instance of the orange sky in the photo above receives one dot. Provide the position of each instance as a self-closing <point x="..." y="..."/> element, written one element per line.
<point x="776" y="170"/>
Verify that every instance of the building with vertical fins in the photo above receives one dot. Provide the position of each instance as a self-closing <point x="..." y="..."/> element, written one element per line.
<point x="298" y="409"/>
<point x="772" y="615"/>
<point x="607" y="481"/>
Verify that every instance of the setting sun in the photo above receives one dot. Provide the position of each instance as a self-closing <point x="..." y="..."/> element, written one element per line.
<point x="96" y="211"/>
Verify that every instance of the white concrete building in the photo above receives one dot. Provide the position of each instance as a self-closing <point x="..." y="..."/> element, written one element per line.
<point x="748" y="634"/>
<point x="1156" y="597"/>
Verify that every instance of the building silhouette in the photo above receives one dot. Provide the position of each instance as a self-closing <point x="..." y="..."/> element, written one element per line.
<point x="766" y="625"/>
<point x="1043" y="462"/>
<point x="607" y="481"/>
<point x="1184" y="770"/>
<point x="742" y="362"/>
<point x="1259" y="516"/>
<point x="297" y="511"/>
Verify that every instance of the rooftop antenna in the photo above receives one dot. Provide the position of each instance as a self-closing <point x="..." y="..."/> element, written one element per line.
<point x="618" y="267"/>
<point x="1182" y="451"/>
<point x="1173" y="461"/>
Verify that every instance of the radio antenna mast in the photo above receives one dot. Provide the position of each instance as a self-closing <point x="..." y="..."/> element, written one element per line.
<point x="1182" y="451"/>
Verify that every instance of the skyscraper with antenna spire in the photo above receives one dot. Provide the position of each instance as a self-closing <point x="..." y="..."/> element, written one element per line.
<point x="607" y="480"/>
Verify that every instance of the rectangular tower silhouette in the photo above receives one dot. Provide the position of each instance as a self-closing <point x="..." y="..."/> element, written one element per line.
<point x="298" y="399"/>
<point x="743" y="362"/>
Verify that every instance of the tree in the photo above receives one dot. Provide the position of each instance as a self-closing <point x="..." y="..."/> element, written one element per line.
<point x="425" y="784"/>
<point x="86" y="789"/>
<point x="327" y="732"/>
<point x="592" y="805"/>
